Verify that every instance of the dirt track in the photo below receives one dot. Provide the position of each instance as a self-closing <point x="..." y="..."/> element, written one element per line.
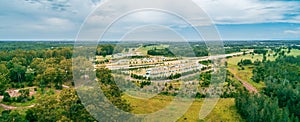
<point x="248" y="86"/>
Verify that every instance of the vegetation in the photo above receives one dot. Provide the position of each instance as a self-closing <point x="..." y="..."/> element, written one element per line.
<point x="206" y="62"/>
<point x="245" y="72"/>
<point x="63" y="107"/>
<point x="160" y="52"/>
<point x="46" y="67"/>
<point x="176" y="76"/>
<point x="105" y="50"/>
<point x="260" y="51"/>
<point x="279" y="100"/>
<point x="138" y="77"/>
<point x="111" y="90"/>
<point x="225" y="109"/>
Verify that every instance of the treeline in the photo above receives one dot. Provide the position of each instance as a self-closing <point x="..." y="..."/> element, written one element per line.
<point x="109" y="49"/>
<point x="140" y="77"/>
<point x="175" y="76"/>
<point x="67" y="106"/>
<point x="200" y="50"/>
<point x="294" y="44"/>
<point x="280" y="99"/>
<point x="104" y="50"/>
<point x="205" y="62"/>
<point x="260" y="51"/>
<point x="33" y="45"/>
<point x="260" y="108"/>
<point x="160" y="52"/>
<point x="232" y="50"/>
<point x="111" y="90"/>
<point x="44" y="68"/>
<point x="283" y="69"/>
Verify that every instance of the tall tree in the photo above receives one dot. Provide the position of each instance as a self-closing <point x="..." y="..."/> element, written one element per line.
<point x="63" y="107"/>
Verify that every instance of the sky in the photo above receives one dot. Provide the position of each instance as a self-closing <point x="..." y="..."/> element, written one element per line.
<point x="234" y="19"/>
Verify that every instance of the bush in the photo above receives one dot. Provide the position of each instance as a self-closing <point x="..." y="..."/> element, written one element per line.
<point x="244" y="62"/>
<point x="6" y="97"/>
<point x="177" y="75"/>
<point x="260" y="51"/>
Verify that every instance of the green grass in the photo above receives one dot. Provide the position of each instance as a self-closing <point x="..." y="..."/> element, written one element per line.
<point x="224" y="111"/>
<point x="1" y="109"/>
<point x="246" y="74"/>
<point x="21" y="104"/>
<point x="294" y="52"/>
<point x="143" y="106"/>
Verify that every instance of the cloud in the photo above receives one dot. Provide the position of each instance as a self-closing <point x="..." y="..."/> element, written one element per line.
<point x="221" y="12"/>
<point x="251" y="11"/>
<point x="53" y="25"/>
<point x="49" y="18"/>
<point x="43" y="18"/>
<point x="293" y="32"/>
<point x="57" y="5"/>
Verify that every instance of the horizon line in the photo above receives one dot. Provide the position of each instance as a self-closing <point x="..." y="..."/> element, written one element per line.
<point x="116" y="40"/>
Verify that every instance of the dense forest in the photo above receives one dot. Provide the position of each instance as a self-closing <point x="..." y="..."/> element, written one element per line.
<point x="163" y="52"/>
<point x="280" y="99"/>
<point x="46" y="70"/>
<point x="21" y="68"/>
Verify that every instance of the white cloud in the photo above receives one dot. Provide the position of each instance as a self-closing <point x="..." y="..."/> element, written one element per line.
<point x="21" y="17"/>
<point x="249" y="11"/>
<point x="51" y="25"/>
<point x="293" y="32"/>
<point x="221" y="12"/>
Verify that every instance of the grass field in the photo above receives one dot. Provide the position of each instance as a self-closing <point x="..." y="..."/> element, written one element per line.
<point x="224" y="110"/>
<point x="1" y="109"/>
<point x="246" y="74"/>
<point x="144" y="50"/>
<point x="294" y="52"/>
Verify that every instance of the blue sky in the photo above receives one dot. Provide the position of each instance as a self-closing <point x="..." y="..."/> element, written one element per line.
<point x="234" y="19"/>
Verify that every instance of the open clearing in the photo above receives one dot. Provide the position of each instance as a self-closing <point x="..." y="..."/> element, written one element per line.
<point x="245" y="74"/>
<point x="224" y="110"/>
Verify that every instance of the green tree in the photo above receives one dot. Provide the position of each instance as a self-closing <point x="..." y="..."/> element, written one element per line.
<point x="4" y="78"/>
<point x="111" y="90"/>
<point x="11" y="116"/>
<point x="6" y="97"/>
<point x="17" y="73"/>
<point x="65" y="106"/>
<point x="50" y="75"/>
